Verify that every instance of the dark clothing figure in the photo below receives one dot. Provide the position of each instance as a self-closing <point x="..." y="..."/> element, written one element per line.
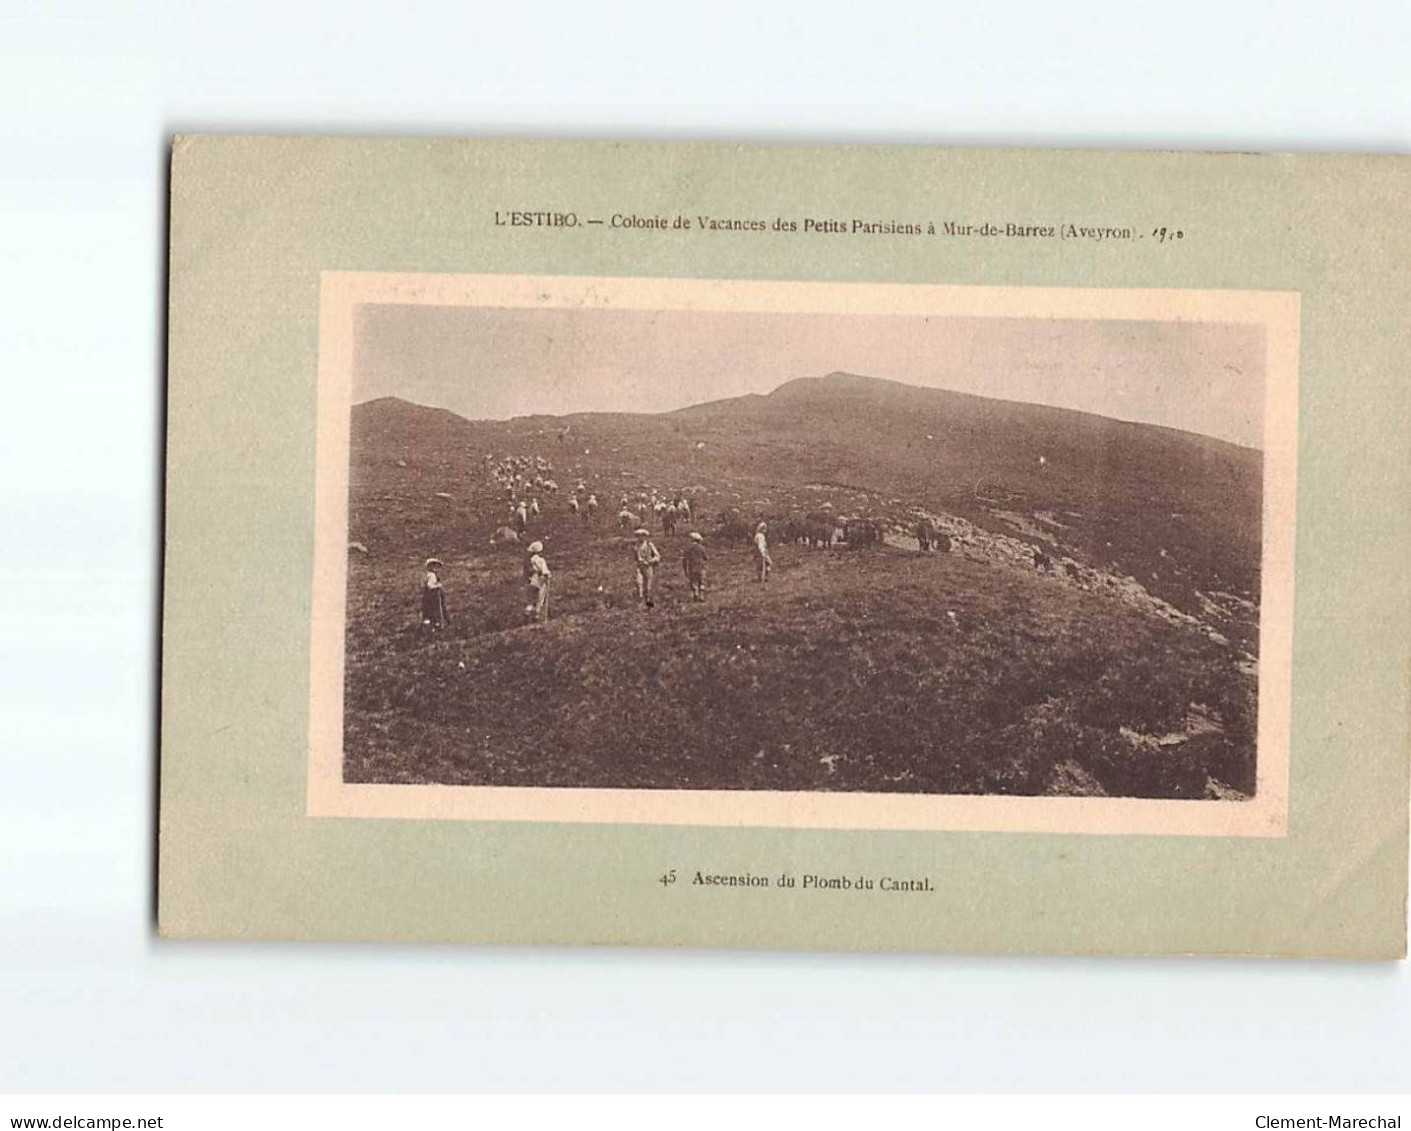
<point x="433" y="600"/>
<point x="693" y="564"/>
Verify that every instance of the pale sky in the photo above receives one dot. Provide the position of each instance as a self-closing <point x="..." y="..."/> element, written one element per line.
<point x="496" y="363"/>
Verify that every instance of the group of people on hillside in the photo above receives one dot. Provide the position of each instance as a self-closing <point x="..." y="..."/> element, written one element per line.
<point x="646" y="559"/>
<point x="583" y="501"/>
<point x="585" y="507"/>
<point x="522" y="477"/>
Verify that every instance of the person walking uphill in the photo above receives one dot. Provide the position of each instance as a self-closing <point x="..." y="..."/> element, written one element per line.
<point x="433" y="597"/>
<point x="693" y="563"/>
<point x="536" y="572"/>
<point x="647" y="557"/>
<point x="763" y="563"/>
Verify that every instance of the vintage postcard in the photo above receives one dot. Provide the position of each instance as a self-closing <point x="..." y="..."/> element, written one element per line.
<point x="679" y="560"/>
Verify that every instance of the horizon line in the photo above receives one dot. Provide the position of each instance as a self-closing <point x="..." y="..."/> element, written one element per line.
<point x="811" y="377"/>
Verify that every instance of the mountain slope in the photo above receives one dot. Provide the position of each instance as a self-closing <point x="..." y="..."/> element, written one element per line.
<point x="1130" y="669"/>
<point x="1180" y="513"/>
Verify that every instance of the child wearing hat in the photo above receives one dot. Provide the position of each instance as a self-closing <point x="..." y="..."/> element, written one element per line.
<point x="433" y="597"/>
<point x="537" y="572"/>
<point x="764" y="564"/>
<point x="647" y="558"/>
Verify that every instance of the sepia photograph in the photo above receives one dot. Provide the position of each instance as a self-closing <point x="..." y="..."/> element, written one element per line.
<point x="897" y="546"/>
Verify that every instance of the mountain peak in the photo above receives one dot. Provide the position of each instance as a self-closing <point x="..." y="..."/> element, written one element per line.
<point x="837" y="381"/>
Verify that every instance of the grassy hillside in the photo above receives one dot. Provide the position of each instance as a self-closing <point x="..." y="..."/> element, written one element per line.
<point x="1115" y="494"/>
<point x="1132" y="672"/>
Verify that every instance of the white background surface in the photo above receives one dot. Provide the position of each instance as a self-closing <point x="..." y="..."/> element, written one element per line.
<point x="89" y="95"/>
